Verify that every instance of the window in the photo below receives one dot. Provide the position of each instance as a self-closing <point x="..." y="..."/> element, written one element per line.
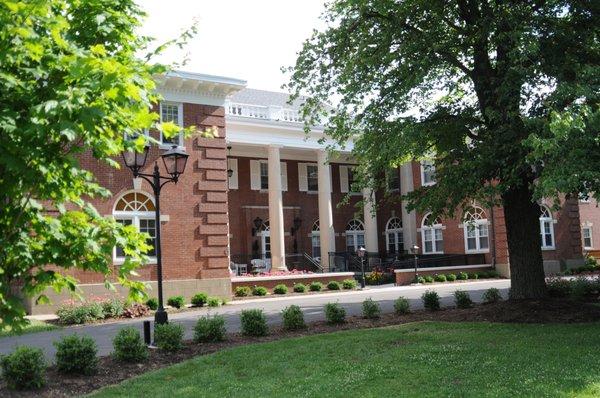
<point x="171" y="112"/>
<point x="476" y="230"/>
<point x="264" y="175"/>
<point x="259" y="175"/>
<point x="351" y="179"/>
<point x="264" y="232"/>
<point x="587" y="237"/>
<point x="393" y="236"/>
<point x="546" y="228"/>
<point x="432" y="236"/>
<point x="137" y="209"/>
<point x="316" y="239"/>
<point x="355" y="235"/>
<point x="312" y="177"/>
<point x="393" y="180"/>
<point x="427" y="172"/>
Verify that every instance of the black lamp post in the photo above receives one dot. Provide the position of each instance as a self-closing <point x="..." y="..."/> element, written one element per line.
<point x="415" y="250"/>
<point x="361" y="254"/>
<point x="174" y="160"/>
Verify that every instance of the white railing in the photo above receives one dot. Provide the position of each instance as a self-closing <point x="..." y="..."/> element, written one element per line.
<point x="277" y="113"/>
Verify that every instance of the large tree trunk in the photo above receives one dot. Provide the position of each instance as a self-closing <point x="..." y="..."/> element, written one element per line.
<point x="524" y="244"/>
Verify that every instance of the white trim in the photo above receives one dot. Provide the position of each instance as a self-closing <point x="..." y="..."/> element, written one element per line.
<point x="431" y="228"/>
<point x="294" y="276"/>
<point x="589" y="228"/>
<point x="397" y="271"/>
<point x="179" y="123"/>
<point x="423" y="183"/>
<point x="551" y="222"/>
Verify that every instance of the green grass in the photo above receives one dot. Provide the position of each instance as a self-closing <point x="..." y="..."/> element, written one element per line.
<point x="412" y="360"/>
<point x="33" y="327"/>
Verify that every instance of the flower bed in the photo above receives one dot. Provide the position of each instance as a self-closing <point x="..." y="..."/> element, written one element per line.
<point x="434" y="274"/>
<point x="288" y="279"/>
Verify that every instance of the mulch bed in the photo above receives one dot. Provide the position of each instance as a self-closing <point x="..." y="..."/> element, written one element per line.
<point x="112" y="372"/>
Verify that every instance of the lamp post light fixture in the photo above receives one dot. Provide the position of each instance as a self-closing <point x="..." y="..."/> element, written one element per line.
<point x="415" y="250"/>
<point x="175" y="160"/>
<point x="229" y="170"/>
<point x="361" y="254"/>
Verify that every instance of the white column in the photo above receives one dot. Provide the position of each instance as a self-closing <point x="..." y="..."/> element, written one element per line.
<point x="276" y="210"/>
<point x="409" y="219"/>
<point x="371" y="241"/>
<point x="327" y="233"/>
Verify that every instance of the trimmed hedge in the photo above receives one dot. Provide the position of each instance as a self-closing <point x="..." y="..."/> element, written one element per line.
<point x="210" y="329"/>
<point x="254" y="323"/>
<point x="129" y="345"/>
<point x="76" y="355"/>
<point x="24" y="368"/>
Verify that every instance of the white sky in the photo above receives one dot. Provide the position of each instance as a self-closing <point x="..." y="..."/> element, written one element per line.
<point x="245" y="39"/>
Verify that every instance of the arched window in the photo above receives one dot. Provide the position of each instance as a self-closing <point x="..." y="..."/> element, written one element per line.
<point x="264" y="232"/>
<point x="355" y="235"/>
<point x="546" y="228"/>
<point x="476" y="230"/>
<point x="431" y="235"/>
<point x="137" y="209"/>
<point x="315" y="237"/>
<point x="393" y="235"/>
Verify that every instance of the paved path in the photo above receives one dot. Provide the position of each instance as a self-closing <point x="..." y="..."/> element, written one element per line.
<point x="312" y="305"/>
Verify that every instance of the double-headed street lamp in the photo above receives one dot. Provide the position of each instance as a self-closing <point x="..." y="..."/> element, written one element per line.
<point x="174" y="160"/>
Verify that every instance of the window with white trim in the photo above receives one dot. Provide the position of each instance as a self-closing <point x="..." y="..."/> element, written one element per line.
<point x="264" y="175"/>
<point x="546" y="228"/>
<point x="432" y="235"/>
<point x="427" y="172"/>
<point x="586" y="233"/>
<point x="315" y="238"/>
<point x="393" y="236"/>
<point x="312" y="177"/>
<point x="264" y="232"/>
<point x="355" y="235"/>
<point x="393" y="180"/>
<point x="351" y="179"/>
<point x="475" y="224"/>
<point x="172" y="112"/>
<point x="137" y="209"/>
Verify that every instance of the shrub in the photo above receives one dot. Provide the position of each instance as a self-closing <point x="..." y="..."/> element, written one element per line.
<point x="473" y="275"/>
<point x="581" y="287"/>
<point x="76" y="355"/>
<point x="333" y="285"/>
<point x="242" y="291"/>
<point x="349" y="284"/>
<point x="315" y="286"/>
<point x="259" y="291"/>
<point x="462" y="299"/>
<point x="254" y="323"/>
<point x="371" y="309"/>
<point x="280" y="289"/>
<point x="440" y="278"/>
<point x="293" y="318"/>
<point x="462" y="276"/>
<point x="493" y="274"/>
<point x="136" y="310"/>
<point x="451" y="277"/>
<point x="299" y="288"/>
<point x="492" y="295"/>
<point x="483" y="275"/>
<point x="199" y="299"/>
<point x="129" y="346"/>
<point x="558" y="287"/>
<point x="24" y="368"/>
<point x="168" y="336"/>
<point x="152" y="303"/>
<point x="428" y="279"/>
<point x="209" y="329"/>
<point x="420" y="279"/>
<point x="401" y="306"/>
<point x="75" y="314"/>
<point x="112" y="308"/>
<point x="176" y="301"/>
<point x="213" y="302"/>
<point x="431" y="300"/>
<point x="334" y="313"/>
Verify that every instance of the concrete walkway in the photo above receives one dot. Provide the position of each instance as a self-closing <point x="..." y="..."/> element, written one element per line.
<point x="312" y="305"/>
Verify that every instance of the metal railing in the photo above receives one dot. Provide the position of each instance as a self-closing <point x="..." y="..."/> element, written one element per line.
<point x="257" y="263"/>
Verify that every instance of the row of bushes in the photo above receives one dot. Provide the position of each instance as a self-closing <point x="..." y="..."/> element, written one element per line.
<point x="579" y="288"/>
<point x="74" y="313"/>
<point x="197" y="300"/>
<point x="245" y="291"/>
<point x="460" y="276"/>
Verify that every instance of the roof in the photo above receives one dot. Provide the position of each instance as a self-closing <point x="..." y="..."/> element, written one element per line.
<point x="253" y="96"/>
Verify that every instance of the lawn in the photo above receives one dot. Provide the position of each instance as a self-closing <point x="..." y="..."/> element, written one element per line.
<point x="34" y="326"/>
<point x="412" y="360"/>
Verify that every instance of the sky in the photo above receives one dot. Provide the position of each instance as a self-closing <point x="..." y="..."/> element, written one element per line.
<point x="244" y="39"/>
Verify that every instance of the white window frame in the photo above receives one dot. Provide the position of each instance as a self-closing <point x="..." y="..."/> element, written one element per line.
<point x="397" y="232"/>
<point x="433" y="228"/>
<point x="264" y="233"/>
<point x="308" y="178"/>
<point x="354" y="233"/>
<point x="590" y="237"/>
<point x="135" y="216"/>
<point x="477" y="218"/>
<point x="315" y="233"/>
<point x="390" y="173"/>
<point x="431" y="164"/>
<point x="550" y="221"/>
<point x="179" y="105"/>
<point x="260" y="175"/>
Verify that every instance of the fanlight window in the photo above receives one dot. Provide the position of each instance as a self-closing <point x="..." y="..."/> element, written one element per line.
<point x="546" y="228"/>
<point x="137" y="209"/>
<point x="134" y="201"/>
<point x="316" y="226"/>
<point x="264" y="227"/>
<point x="432" y="235"/>
<point x="393" y="235"/>
<point x="355" y="235"/>
<point x="476" y="230"/>
<point x="355" y="225"/>
<point x="316" y="240"/>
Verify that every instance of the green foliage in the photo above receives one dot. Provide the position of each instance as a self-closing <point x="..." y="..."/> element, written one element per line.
<point x="76" y="355"/>
<point x="254" y="323"/>
<point x="558" y="287"/>
<point x="371" y="309"/>
<point x="335" y="313"/>
<point x="420" y="279"/>
<point x="431" y="300"/>
<point x="24" y="368"/>
<point x="210" y="329"/>
<point x="349" y="284"/>
<point x="176" y="301"/>
<point x="440" y="278"/>
<point x="242" y="291"/>
<point x="213" y="302"/>
<point x="259" y="291"/>
<point x="299" y="288"/>
<point x="80" y="312"/>
<point x="129" y="346"/>
<point x="582" y="287"/>
<point x="199" y="299"/>
<point x="491" y="295"/>
<point x="333" y="285"/>
<point x="293" y="318"/>
<point x="401" y="306"/>
<point x="112" y="308"/>
<point x="462" y="299"/>
<point x="168" y="337"/>
<point x="462" y="276"/>
<point x="473" y="275"/>
<point x="316" y="286"/>
<point x="152" y="303"/>
<point x="451" y="277"/>
<point x="280" y="289"/>
<point x="428" y="279"/>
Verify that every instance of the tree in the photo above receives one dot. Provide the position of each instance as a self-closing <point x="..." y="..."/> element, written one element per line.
<point x="479" y="86"/>
<point x="70" y="82"/>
